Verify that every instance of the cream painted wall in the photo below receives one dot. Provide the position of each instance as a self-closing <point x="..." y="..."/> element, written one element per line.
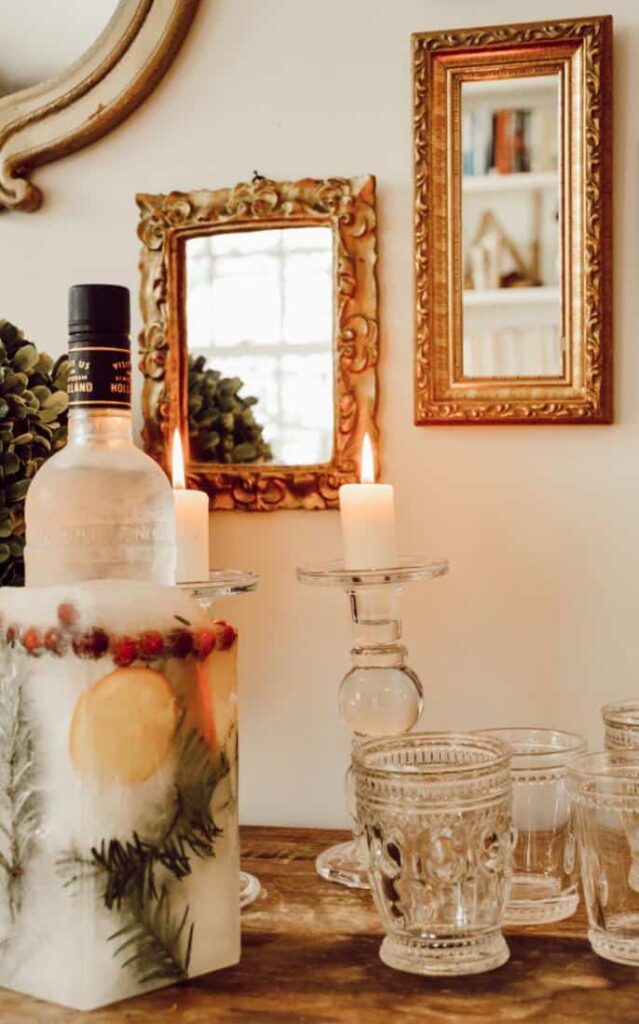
<point x="538" y="622"/>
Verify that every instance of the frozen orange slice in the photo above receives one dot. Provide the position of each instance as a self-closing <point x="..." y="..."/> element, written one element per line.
<point x="123" y="726"/>
<point x="216" y="712"/>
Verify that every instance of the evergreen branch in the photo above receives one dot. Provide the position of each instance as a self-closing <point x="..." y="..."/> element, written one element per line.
<point x="18" y="796"/>
<point x="158" y="944"/>
<point x="155" y="939"/>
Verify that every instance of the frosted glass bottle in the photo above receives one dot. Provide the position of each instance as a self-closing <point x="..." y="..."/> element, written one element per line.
<point x="100" y="508"/>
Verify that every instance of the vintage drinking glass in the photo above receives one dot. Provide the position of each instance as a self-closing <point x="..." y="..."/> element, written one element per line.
<point x="436" y="809"/>
<point x="605" y="793"/>
<point x="545" y="873"/>
<point x="621" y="723"/>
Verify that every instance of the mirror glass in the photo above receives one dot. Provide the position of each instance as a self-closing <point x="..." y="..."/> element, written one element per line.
<point x="511" y="231"/>
<point x="37" y="45"/>
<point x="259" y="319"/>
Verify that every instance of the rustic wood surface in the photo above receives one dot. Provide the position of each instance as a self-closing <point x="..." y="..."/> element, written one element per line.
<point x="310" y="957"/>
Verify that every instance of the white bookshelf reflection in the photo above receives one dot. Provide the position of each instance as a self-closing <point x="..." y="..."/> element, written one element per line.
<point x="512" y="297"/>
<point x="515" y="181"/>
<point x="513" y="352"/>
<point x="260" y="307"/>
<point x="511" y="267"/>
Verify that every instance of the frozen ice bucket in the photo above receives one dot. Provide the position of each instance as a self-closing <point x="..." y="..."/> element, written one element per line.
<point x="119" y="860"/>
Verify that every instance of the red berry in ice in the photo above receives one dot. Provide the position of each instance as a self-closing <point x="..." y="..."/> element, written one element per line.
<point x="12" y="635"/>
<point x="67" y="615"/>
<point x="54" y="641"/>
<point x="151" y="644"/>
<point x="125" y="650"/>
<point x="92" y="644"/>
<point x="225" y="635"/>
<point x="204" y="643"/>
<point x="180" y="643"/>
<point x="32" y="640"/>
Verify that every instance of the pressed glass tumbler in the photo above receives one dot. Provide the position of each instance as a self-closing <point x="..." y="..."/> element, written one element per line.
<point x="545" y="873"/>
<point x="605" y="792"/>
<point x="436" y="809"/>
<point x="621" y="724"/>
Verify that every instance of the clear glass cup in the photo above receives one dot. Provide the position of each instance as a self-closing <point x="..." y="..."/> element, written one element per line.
<point x="545" y="883"/>
<point x="605" y="794"/>
<point x="436" y="809"/>
<point x="621" y="724"/>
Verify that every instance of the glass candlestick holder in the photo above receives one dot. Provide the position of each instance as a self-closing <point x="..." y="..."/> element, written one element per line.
<point x="227" y="583"/>
<point x="380" y="695"/>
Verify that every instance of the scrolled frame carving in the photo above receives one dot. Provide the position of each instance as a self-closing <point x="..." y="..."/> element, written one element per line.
<point x="580" y="52"/>
<point x="54" y="118"/>
<point x="347" y="205"/>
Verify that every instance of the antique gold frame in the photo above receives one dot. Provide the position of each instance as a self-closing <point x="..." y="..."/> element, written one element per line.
<point x="167" y="221"/>
<point x="54" y="118"/>
<point x="580" y="52"/>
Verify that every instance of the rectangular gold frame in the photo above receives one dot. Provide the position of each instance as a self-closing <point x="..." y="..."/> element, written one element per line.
<point x="347" y="205"/>
<point x="580" y="52"/>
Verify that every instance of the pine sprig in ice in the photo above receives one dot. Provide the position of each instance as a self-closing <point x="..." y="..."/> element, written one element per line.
<point x="127" y="871"/>
<point x="158" y="944"/>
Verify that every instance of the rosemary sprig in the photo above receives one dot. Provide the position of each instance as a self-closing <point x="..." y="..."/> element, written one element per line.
<point x="18" y="795"/>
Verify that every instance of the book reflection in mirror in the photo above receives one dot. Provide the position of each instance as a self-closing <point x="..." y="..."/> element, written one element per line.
<point x="509" y="141"/>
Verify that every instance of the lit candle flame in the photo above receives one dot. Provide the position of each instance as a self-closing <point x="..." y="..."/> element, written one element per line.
<point x="177" y="463"/>
<point x="367" y="469"/>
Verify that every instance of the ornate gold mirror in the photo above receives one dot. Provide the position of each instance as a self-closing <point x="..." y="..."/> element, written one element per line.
<point x="260" y="339"/>
<point x="513" y="250"/>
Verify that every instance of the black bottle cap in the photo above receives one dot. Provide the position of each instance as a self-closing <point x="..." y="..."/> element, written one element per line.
<point x="99" y="309"/>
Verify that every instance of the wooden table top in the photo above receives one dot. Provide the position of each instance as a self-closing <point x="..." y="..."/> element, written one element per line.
<point x="310" y="957"/>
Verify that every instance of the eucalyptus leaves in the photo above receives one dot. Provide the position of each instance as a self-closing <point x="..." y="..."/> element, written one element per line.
<point x="33" y="404"/>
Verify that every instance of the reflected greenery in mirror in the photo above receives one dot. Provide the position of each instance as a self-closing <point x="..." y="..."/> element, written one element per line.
<point x="222" y="423"/>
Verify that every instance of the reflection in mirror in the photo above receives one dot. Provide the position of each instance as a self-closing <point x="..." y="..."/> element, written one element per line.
<point x="28" y="56"/>
<point x="510" y="215"/>
<point x="259" y="317"/>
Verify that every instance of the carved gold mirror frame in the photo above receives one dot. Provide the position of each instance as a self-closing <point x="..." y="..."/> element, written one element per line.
<point x="579" y="53"/>
<point x="57" y="117"/>
<point x="347" y="206"/>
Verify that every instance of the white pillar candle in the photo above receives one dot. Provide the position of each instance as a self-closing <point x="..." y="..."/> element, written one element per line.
<point x="368" y="519"/>
<point x="191" y="523"/>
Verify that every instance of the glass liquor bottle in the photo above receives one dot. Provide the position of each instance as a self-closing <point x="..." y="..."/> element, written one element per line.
<point x="100" y="508"/>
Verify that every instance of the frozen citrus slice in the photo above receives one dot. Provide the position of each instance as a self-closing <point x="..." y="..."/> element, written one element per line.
<point x="123" y="726"/>
<point x="217" y="693"/>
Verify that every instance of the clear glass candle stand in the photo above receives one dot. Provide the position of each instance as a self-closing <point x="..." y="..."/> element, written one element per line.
<point x="228" y="583"/>
<point x="380" y="695"/>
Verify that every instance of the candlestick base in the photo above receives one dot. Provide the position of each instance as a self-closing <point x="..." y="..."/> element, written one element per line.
<point x="345" y="863"/>
<point x="228" y="583"/>
<point x="250" y="889"/>
<point x="380" y="695"/>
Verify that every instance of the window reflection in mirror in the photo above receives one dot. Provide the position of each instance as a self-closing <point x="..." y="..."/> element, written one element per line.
<point x="511" y="209"/>
<point x="259" y="309"/>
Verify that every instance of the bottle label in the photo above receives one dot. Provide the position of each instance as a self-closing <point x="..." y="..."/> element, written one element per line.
<point x="99" y="375"/>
